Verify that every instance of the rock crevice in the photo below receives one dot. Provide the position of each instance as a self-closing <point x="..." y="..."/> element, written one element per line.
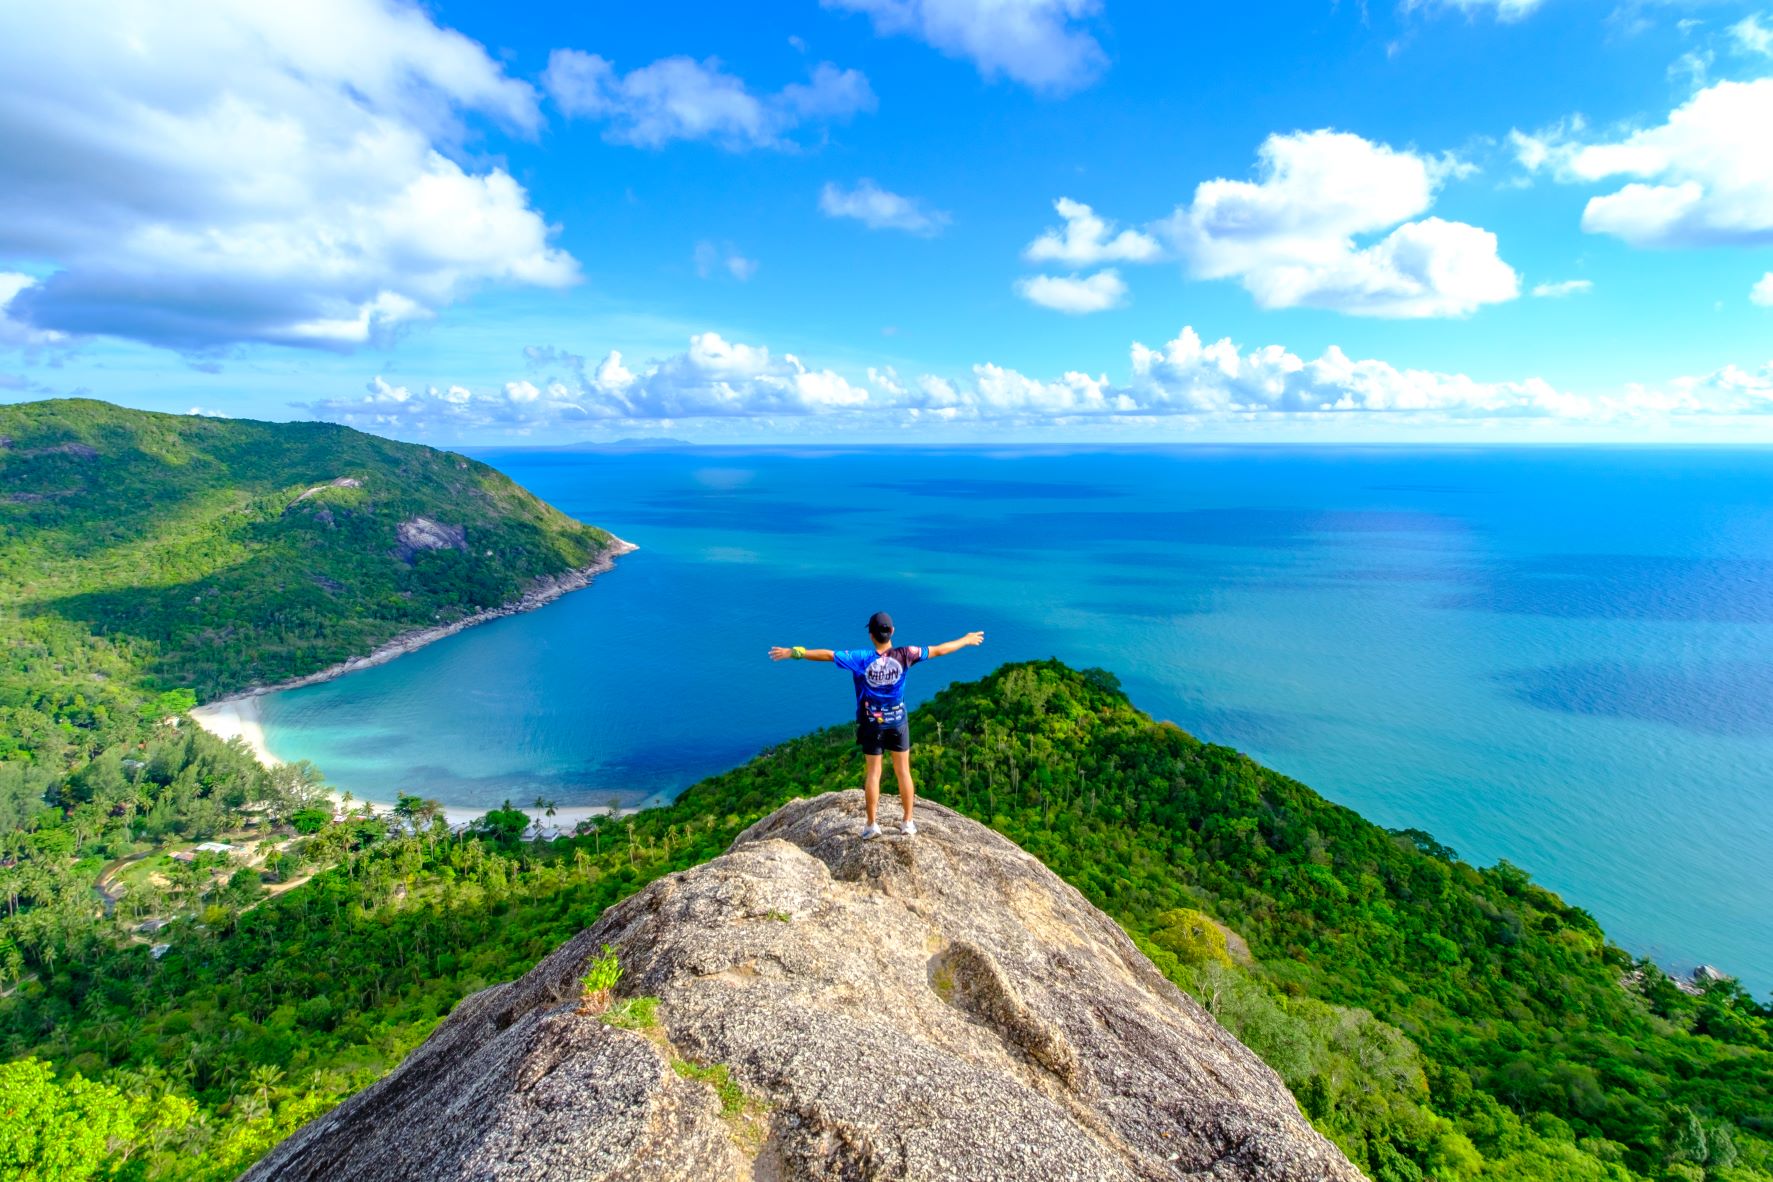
<point x="939" y="1007"/>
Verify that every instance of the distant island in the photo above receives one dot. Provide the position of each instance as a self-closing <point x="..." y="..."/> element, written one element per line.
<point x="200" y="954"/>
<point x="641" y="441"/>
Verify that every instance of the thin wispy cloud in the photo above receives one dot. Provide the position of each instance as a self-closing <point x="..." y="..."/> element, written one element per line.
<point x="1046" y="45"/>
<point x="1753" y="36"/>
<point x="881" y="209"/>
<point x="1506" y="11"/>
<point x="715" y="258"/>
<point x="1561" y="288"/>
<point x="680" y="98"/>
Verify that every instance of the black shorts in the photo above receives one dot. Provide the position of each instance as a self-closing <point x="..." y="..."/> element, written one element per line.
<point x="875" y="739"/>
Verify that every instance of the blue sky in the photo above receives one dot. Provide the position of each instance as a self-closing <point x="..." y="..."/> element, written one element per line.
<point x="920" y="220"/>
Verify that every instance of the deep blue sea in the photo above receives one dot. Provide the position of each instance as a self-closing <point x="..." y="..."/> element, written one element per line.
<point x="1559" y="657"/>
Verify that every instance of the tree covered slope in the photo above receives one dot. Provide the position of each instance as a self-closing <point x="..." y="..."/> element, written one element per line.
<point x="217" y="553"/>
<point x="1437" y="1020"/>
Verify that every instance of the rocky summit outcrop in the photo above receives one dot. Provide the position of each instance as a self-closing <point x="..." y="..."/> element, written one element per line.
<point x="932" y="1008"/>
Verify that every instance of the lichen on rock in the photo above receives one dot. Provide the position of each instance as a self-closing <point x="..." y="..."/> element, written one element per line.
<point x="929" y="1008"/>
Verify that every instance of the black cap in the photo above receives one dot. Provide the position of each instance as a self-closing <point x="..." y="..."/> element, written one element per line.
<point x="880" y="624"/>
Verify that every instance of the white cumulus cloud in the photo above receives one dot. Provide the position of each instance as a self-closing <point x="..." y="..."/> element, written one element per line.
<point x="1075" y="294"/>
<point x="198" y="174"/>
<point x="1704" y="177"/>
<point x="1088" y="241"/>
<point x="679" y="98"/>
<point x="1291" y="235"/>
<point x="1189" y="376"/>
<point x="1186" y="377"/>
<point x="713" y="378"/>
<point x="1043" y="44"/>
<point x="880" y="209"/>
<point x="1762" y="292"/>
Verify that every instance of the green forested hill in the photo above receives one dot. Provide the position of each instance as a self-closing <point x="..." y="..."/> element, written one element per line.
<point x="147" y="560"/>
<point x="211" y="554"/>
<point x="1438" y="1020"/>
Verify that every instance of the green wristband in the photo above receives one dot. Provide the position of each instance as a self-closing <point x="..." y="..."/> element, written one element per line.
<point x="799" y="653"/>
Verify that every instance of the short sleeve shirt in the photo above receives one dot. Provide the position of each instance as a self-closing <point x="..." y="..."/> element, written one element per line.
<point x="880" y="681"/>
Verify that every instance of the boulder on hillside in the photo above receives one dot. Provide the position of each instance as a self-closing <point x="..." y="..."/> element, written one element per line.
<point x="421" y="533"/>
<point x="932" y="1008"/>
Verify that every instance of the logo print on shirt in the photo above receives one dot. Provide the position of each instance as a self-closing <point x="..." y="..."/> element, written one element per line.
<point x="884" y="672"/>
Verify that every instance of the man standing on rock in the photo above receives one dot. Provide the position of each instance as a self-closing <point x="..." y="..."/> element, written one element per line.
<point x="881" y="724"/>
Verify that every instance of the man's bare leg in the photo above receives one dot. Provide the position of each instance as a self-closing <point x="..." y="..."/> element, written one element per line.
<point x="902" y="773"/>
<point x="871" y="783"/>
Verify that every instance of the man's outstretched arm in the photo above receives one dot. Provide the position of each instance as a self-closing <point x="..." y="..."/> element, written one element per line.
<point x="797" y="653"/>
<point x="954" y="646"/>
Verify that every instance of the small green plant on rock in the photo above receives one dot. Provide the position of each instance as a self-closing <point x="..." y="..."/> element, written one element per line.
<point x="599" y="980"/>
<point x="747" y="1117"/>
<point x="718" y="1077"/>
<point x="633" y="1013"/>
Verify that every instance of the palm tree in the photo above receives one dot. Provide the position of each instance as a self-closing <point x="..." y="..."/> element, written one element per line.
<point x="105" y="1026"/>
<point x="265" y="1078"/>
<point x="12" y="962"/>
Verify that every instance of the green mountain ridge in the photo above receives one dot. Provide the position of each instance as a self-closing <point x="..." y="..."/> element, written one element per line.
<point x="215" y="554"/>
<point x="1435" y="1019"/>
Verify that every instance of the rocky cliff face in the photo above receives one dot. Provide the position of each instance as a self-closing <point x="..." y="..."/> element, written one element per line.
<point x="930" y="1008"/>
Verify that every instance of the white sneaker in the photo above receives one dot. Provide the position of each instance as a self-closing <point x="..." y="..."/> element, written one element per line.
<point x="909" y="829"/>
<point x="870" y="831"/>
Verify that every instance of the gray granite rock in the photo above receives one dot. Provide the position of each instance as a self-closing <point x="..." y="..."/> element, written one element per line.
<point x="931" y="1008"/>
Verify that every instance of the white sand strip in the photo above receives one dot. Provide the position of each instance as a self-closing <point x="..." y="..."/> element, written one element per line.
<point x="237" y="718"/>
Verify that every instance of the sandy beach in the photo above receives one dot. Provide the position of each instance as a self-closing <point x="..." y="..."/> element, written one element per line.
<point x="239" y="716"/>
<point x="242" y="718"/>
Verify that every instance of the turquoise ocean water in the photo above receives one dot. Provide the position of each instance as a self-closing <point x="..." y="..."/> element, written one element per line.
<point x="1562" y="658"/>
